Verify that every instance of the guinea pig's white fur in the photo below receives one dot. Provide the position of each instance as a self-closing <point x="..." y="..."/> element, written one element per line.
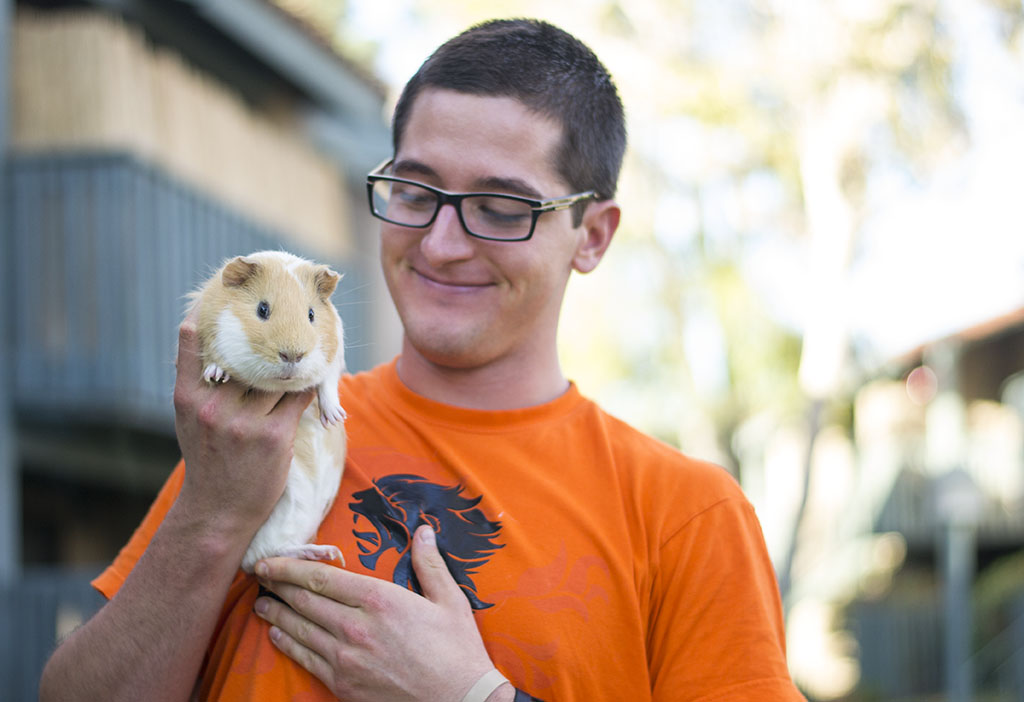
<point x="266" y="320"/>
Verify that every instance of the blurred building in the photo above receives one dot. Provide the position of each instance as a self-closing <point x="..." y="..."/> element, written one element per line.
<point x="952" y="453"/>
<point x="142" y="143"/>
<point x="913" y="532"/>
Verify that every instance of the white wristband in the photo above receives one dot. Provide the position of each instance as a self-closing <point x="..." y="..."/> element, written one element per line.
<point x="488" y="683"/>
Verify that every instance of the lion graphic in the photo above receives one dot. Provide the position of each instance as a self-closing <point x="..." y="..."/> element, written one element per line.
<point x="397" y="504"/>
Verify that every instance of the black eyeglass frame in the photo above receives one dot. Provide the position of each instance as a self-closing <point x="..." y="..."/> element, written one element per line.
<point x="537" y="207"/>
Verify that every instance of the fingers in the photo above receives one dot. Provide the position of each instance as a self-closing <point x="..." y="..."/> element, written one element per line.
<point x="366" y="638"/>
<point x="436" y="580"/>
<point x="299" y="639"/>
<point x="192" y="313"/>
<point x="297" y="581"/>
<point x="313" y="662"/>
<point x="293" y="404"/>
<point x="357" y="591"/>
<point x="301" y="630"/>
<point x="188" y="349"/>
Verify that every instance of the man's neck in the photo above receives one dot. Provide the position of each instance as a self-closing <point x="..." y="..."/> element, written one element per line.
<point x="508" y="383"/>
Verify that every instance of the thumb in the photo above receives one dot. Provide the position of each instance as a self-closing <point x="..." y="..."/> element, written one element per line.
<point x="293" y="404"/>
<point x="436" y="580"/>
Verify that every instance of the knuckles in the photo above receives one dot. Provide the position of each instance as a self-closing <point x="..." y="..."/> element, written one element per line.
<point x="305" y="632"/>
<point x="373" y="600"/>
<point x="185" y="397"/>
<point x="183" y="404"/>
<point x="213" y="418"/>
<point x="358" y="635"/>
<point x="276" y="434"/>
<point x="318" y="581"/>
<point x="187" y="330"/>
<point x="238" y="432"/>
<point x="208" y="414"/>
<point x="301" y="600"/>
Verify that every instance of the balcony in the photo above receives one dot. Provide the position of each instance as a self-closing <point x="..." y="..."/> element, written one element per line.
<point x="104" y="249"/>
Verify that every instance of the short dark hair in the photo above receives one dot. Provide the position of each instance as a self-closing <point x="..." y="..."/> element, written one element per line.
<point x="549" y="71"/>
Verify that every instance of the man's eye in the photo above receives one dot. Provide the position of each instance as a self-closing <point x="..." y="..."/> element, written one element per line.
<point x="414" y="198"/>
<point x="502" y="216"/>
<point x="497" y="211"/>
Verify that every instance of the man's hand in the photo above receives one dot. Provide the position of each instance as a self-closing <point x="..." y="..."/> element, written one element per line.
<point x="368" y="639"/>
<point x="153" y="634"/>
<point x="237" y="443"/>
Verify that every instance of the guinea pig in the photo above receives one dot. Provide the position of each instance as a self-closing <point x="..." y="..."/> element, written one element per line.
<point x="266" y="320"/>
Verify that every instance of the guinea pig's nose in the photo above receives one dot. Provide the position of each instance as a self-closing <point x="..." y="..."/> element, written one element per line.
<point x="291" y="356"/>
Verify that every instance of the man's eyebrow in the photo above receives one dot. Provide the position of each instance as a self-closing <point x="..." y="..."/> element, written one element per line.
<point x="407" y="167"/>
<point x="514" y="186"/>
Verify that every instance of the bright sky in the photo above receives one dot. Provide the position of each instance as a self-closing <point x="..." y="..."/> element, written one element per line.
<point x="952" y="254"/>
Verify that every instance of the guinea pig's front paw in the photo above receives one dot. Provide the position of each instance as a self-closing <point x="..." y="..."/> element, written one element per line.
<point x="215" y="374"/>
<point x="331" y="411"/>
<point x="333" y="415"/>
<point x="313" y="552"/>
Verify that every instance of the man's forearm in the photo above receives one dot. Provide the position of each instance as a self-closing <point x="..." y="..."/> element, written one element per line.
<point x="148" y="642"/>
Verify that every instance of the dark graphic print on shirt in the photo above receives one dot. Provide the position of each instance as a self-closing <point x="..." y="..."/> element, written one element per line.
<point x="397" y="504"/>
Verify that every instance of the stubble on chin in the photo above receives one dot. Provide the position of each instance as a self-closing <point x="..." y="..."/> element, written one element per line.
<point x="448" y="348"/>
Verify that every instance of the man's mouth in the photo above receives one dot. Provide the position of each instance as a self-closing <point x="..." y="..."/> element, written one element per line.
<point x="451" y="285"/>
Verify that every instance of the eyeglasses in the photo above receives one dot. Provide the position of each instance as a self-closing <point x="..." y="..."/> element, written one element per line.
<point x="491" y="216"/>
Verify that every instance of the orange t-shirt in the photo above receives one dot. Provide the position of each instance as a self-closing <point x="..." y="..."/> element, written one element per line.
<point x="601" y="564"/>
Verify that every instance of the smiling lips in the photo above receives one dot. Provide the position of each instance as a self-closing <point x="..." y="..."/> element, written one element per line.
<point x="451" y="285"/>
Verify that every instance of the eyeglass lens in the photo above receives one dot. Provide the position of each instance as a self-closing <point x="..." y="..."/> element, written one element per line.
<point x="491" y="216"/>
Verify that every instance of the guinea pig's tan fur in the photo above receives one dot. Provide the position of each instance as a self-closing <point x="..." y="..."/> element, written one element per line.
<point x="257" y="350"/>
<point x="266" y="320"/>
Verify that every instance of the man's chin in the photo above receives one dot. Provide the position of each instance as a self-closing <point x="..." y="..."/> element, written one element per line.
<point x="448" y="351"/>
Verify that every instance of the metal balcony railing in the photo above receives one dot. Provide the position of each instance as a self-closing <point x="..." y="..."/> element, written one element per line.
<point x="104" y="248"/>
<point x="41" y="606"/>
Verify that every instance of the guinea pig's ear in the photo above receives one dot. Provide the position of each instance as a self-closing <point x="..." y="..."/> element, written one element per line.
<point x="326" y="281"/>
<point x="238" y="271"/>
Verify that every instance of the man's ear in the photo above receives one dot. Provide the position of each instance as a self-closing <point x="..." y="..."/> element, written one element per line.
<point x="600" y="221"/>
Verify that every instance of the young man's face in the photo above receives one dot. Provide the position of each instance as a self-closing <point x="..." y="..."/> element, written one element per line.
<point x="466" y="302"/>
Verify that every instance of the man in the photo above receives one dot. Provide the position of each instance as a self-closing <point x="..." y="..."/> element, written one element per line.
<point x="496" y="523"/>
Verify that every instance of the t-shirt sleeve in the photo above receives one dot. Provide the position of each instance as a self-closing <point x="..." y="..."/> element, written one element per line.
<point x="111" y="579"/>
<point x="716" y="628"/>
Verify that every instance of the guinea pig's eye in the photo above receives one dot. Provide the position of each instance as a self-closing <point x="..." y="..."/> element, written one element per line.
<point x="310" y="315"/>
<point x="263" y="310"/>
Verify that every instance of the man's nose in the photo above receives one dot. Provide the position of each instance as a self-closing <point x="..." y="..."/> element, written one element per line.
<point x="446" y="240"/>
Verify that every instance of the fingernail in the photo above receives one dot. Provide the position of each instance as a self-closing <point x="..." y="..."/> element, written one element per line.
<point x="261" y="569"/>
<point x="427" y="536"/>
<point x="261" y="606"/>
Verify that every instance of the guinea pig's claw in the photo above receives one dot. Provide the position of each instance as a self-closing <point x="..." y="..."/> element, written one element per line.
<point x="215" y="374"/>
<point x="332" y="415"/>
<point x="314" y="552"/>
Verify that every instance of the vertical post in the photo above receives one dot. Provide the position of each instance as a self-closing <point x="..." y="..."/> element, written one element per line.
<point x="959" y="509"/>
<point x="10" y="512"/>
<point x="958" y="572"/>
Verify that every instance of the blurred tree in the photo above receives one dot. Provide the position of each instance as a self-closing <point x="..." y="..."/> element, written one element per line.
<point x="764" y="134"/>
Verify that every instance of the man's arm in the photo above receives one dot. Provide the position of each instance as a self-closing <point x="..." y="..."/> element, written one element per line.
<point x="148" y="642"/>
<point x="718" y="629"/>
